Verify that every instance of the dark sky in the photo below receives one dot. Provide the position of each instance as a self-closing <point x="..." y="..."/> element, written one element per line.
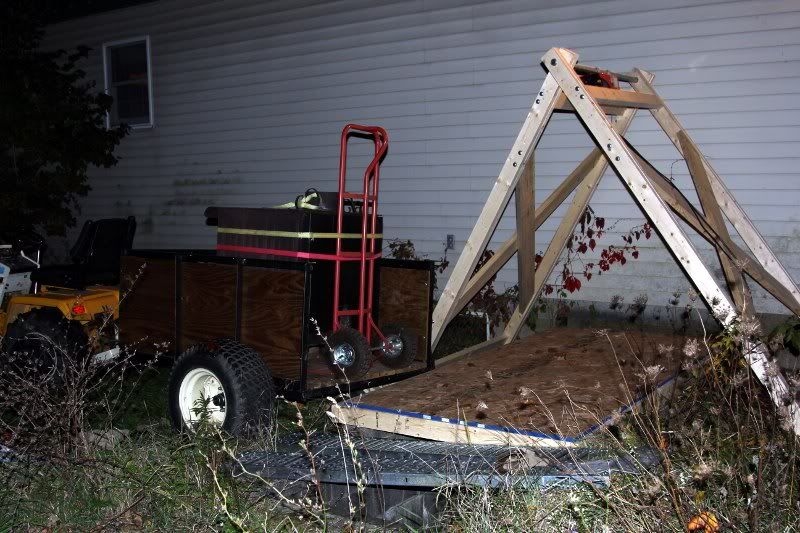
<point x="58" y="10"/>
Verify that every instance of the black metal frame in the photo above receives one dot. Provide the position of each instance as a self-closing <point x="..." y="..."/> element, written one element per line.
<point x="292" y="389"/>
<point x="301" y="392"/>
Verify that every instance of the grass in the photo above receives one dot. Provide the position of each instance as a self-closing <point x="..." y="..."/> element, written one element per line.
<point x="147" y="400"/>
<point x="721" y="446"/>
<point x="156" y="479"/>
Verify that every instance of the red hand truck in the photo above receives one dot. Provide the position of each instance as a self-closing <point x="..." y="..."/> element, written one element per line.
<point x="351" y="348"/>
<point x="369" y="222"/>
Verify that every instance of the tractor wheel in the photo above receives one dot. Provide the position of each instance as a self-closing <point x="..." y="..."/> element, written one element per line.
<point x="400" y="348"/>
<point x="224" y="382"/>
<point x="42" y="342"/>
<point x="350" y="353"/>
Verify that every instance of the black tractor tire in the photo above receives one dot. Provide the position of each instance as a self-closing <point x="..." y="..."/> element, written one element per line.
<point x="43" y="342"/>
<point x="245" y="377"/>
<point x="408" y="349"/>
<point x="349" y="338"/>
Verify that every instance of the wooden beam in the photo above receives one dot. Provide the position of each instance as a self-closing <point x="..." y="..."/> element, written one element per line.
<point x="443" y="430"/>
<point x="737" y="216"/>
<point x="633" y="177"/>
<point x="613" y="99"/>
<point x="594" y="164"/>
<point x="576" y="210"/>
<point x="485" y="345"/>
<point x="566" y="107"/>
<point x="504" y="185"/>
<point x="681" y="206"/>
<point x="525" y="200"/>
<point x="733" y="275"/>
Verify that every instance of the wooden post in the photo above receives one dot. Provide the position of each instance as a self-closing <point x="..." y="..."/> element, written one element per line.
<point x="744" y="226"/>
<point x="550" y="258"/>
<point x="593" y="166"/>
<point x="504" y="185"/>
<point x="733" y="275"/>
<point x="525" y="200"/>
<point x="634" y="178"/>
<point x="681" y="206"/>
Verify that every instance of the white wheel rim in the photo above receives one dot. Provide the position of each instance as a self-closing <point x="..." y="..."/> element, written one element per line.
<point x="199" y="388"/>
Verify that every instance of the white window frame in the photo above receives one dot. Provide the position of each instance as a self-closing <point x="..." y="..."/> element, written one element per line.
<point x="107" y="77"/>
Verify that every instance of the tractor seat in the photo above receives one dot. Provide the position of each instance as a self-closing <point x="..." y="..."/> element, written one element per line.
<point x="95" y="255"/>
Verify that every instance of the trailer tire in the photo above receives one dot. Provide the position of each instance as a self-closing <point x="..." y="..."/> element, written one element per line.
<point x="246" y="401"/>
<point x="350" y="353"/>
<point x="41" y="340"/>
<point x="404" y="344"/>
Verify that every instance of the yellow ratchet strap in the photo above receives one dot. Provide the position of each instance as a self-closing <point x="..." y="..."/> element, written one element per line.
<point x="297" y="234"/>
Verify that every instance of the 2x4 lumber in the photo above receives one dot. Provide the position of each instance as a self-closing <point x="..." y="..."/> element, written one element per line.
<point x="681" y="206"/>
<point x="452" y="431"/>
<point x="611" y="99"/>
<point x="633" y="177"/>
<point x="702" y="184"/>
<point x="583" y="194"/>
<point x="737" y="216"/>
<point x="525" y="200"/>
<point x="485" y="345"/>
<point x="559" y="66"/>
<point x="594" y="164"/>
<point x="525" y="143"/>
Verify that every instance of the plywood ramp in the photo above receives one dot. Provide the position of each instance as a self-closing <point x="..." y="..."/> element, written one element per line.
<point x="551" y="388"/>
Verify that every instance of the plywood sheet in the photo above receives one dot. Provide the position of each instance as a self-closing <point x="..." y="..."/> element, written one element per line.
<point x="208" y="302"/>
<point x="272" y="317"/>
<point x="559" y="382"/>
<point x="147" y="306"/>
<point x="404" y="300"/>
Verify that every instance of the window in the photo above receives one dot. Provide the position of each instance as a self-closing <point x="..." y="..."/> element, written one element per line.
<point x="129" y="81"/>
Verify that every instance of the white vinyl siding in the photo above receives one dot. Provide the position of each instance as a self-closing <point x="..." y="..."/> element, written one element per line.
<point x="251" y="98"/>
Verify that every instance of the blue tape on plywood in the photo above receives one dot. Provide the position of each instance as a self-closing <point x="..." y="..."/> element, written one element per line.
<point x="507" y="429"/>
<point x="624" y="409"/>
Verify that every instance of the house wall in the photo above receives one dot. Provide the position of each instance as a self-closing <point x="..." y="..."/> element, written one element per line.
<point x="250" y="98"/>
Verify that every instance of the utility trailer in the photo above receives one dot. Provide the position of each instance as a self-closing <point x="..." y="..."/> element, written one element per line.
<point x="295" y="299"/>
<point x="176" y="299"/>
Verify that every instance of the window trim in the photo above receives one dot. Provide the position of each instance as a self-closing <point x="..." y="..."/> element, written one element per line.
<point x="107" y="77"/>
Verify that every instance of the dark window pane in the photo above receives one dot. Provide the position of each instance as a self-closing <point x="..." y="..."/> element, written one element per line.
<point x="128" y="62"/>
<point x="131" y="103"/>
<point x="128" y="84"/>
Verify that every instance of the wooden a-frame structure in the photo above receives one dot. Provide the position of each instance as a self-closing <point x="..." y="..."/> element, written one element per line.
<point x="606" y="113"/>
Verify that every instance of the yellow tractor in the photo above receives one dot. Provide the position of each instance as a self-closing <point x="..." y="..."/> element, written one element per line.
<point x="66" y="310"/>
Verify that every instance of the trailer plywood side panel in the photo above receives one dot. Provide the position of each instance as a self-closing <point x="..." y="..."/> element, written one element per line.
<point x="147" y="290"/>
<point x="272" y="317"/>
<point x="404" y="299"/>
<point x="208" y="302"/>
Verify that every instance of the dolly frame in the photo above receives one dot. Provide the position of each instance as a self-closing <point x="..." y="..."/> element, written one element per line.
<point x="564" y="90"/>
